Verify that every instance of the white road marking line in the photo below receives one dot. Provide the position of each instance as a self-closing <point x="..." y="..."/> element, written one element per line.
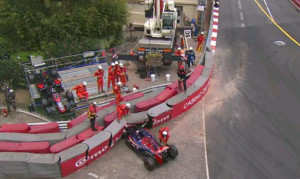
<point x="268" y="9"/>
<point x="243" y="25"/>
<point x="240" y="5"/>
<point x="214" y="34"/>
<point x="93" y="175"/>
<point x="215" y="26"/>
<point x="205" y="148"/>
<point x="241" y="16"/>
<point x="213" y="43"/>
<point x="216" y="20"/>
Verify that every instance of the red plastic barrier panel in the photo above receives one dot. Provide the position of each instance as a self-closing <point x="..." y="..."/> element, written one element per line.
<point x="97" y="152"/>
<point x="162" y="118"/>
<point x="50" y="127"/>
<point x="18" y="128"/>
<point x="65" y="144"/>
<point x="297" y="3"/>
<point x="110" y="118"/>
<point x="190" y="101"/>
<point x="75" y="163"/>
<point x="133" y="96"/>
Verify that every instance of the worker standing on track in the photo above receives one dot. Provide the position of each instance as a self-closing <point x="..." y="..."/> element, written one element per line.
<point x="111" y="76"/>
<point x="92" y="115"/>
<point x="122" y="74"/>
<point x="116" y="68"/>
<point x="178" y="52"/>
<point x="201" y="39"/>
<point x="99" y="74"/>
<point x="190" y="54"/>
<point x="123" y="110"/>
<point x="10" y="99"/>
<point x="163" y="135"/>
<point x="181" y="77"/>
<point x="117" y="93"/>
<point x="81" y="91"/>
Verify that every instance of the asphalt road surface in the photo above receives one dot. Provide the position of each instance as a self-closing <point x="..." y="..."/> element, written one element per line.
<point x="253" y="105"/>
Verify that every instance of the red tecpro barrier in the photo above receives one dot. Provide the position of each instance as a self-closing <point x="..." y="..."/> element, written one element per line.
<point x="297" y="3"/>
<point x="74" y="163"/>
<point x="89" y="133"/>
<point x="65" y="144"/>
<point x="50" y="127"/>
<point x="110" y="118"/>
<point x="133" y="96"/>
<point x="18" y="128"/>
<point x="162" y="118"/>
<point x="32" y="147"/>
<point x="83" y="117"/>
<point x="98" y="152"/>
<point x="191" y="100"/>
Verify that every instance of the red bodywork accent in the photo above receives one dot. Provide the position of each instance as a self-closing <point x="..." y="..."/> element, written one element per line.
<point x="58" y="82"/>
<point x="41" y="85"/>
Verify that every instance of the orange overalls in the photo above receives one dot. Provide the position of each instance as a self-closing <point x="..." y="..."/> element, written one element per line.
<point x="200" y="41"/>
<point x="117" y="92"/>
<point x="122" y="75"/>
<point x="122" y="110"/>
<point x="111" y="77"/>
<point x="99" y="74"/>
<point x="178" y="53"/>
<point x="81" y="91"/>
<point x="116" y="72"/>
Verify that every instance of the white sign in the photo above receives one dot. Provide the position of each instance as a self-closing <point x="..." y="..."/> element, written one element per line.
<point x="200" y="8"/>
<point x="188" y="34"/>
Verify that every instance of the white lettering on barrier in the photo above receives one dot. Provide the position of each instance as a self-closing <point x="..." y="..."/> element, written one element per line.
<point x="158" y="121"/>
<point x="194" y="99"/>
<point x="83" y="160"/>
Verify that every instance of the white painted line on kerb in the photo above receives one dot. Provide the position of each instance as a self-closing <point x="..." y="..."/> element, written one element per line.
<point x="243" y="25"/>
<point x="240" y="5"/>
<point x="213" y="43"/>
<point x="214" y="34"/>
<point x="205" y="148"/>
<point x="215" y="26"/>
<point x="216" y="20"/>
<point x="241" y="16"/>
<point x="268" y="9"/>
<point x="216" y="14"/>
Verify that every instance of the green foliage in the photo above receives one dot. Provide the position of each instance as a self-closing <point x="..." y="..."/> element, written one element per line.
<point x="11" y="71"/>
<point x="60" y="27"/>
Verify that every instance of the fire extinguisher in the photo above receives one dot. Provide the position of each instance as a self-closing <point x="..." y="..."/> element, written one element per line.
<point x="5" y="112"/>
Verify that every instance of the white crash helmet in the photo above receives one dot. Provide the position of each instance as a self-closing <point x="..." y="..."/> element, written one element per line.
<point x="112" y="64"/>
<point x="134" y="89"/>
<point x="121" y="64"/>
<point x="128" y="105"/>
<point x="84" y="83"/>
<point x="11" y="91"/>
<point x="100" y="67"/>
<point x="179" y="48"/>
<point x="94" y="103"/>
<point x="164" y="133"/>
<point x="119" y="83"/>
<point x="191" y="48"/>
<point x="116" y="62"/>
<point x="202" y="32"/>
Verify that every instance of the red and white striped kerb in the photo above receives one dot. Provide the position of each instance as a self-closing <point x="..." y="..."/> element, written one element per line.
<point x="214" y="34"/>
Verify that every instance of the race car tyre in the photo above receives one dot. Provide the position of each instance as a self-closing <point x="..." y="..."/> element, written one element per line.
<point x="31" y="78"/>
<point x="173" y="151"/>
<point x="150" y="163"/>
<point x="44" y="102"/>
<point x="54" y="72"/>
<point x="69" y="96"/>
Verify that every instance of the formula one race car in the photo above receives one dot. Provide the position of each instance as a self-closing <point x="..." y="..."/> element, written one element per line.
<point x="144" y="143"/>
